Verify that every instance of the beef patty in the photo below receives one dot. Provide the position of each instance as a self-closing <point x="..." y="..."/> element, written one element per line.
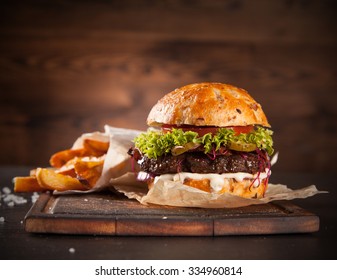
<point x="198" y="162"/>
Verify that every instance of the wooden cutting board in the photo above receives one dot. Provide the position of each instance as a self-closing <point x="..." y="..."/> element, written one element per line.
<point x="111" y="214"/>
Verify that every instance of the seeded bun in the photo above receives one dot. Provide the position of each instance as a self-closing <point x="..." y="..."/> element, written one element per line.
<point x="207" y="104"/>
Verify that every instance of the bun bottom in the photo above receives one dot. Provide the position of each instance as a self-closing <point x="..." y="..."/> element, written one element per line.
<point x="247" y="188"/>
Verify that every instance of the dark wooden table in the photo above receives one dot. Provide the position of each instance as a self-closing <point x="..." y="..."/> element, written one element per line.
<point x="15" y="243"/>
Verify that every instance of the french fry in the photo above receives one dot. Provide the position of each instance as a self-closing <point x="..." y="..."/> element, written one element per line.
<point x="61" y="158"/>
<point x="51" y="180"/>
<point x="27" y="184"/>
<point x="68" y="168"/>
<point x="89" y="170"/>
<point x="32" y="172"/>
<point x="72" y="169"/>
<point x="90" y="148"/>
<point x="69" y="172"/>
<point x="96" y="148"/>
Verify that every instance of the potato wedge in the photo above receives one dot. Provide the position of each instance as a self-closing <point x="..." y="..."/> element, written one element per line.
<point x="68" y="168"/>
<point x="51" y="180"/>
<point x="32" y="172"/>
<point x="27" y="184"/>
<point x="90" y="148"/>
<point x="61" y="158"/>
<point x="95" y="148"/>
<point x="89" y="169"/>
<point x="72" y="169"/>
<point x="69" y="172"/>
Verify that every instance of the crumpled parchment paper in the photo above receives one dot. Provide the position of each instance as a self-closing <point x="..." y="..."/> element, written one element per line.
<point x="118" y="174"/>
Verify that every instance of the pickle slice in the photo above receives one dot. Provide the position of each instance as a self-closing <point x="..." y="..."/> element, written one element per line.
<point x="242" y="147"/>
<point x="178" y="150"/>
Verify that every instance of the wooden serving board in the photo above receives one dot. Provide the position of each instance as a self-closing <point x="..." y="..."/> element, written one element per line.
<point x="111" y="214"/>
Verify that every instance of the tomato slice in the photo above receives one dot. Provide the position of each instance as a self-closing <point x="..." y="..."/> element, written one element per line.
<point x="242" y="129"/>
<point x="202" y="130"/>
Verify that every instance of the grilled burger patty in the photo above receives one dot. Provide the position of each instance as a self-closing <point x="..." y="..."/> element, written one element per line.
<point x="198" y="162"/>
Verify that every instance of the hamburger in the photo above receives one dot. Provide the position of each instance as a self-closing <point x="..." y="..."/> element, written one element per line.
<point x="211" y="136"/>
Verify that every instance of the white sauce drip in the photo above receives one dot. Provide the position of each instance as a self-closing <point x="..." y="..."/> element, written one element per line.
<point x="217" y="181"/>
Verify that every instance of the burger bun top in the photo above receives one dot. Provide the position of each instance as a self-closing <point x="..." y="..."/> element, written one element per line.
<point x="207" y="104"/>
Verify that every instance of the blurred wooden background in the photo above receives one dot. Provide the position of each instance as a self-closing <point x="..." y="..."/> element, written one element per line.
<point x="69" y="67"/>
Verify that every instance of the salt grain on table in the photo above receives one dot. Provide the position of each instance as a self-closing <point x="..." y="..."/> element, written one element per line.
<point x="11" y="199"/>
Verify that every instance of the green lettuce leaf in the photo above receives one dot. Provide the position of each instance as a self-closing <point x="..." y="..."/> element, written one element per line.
<point x="156" y="143"/>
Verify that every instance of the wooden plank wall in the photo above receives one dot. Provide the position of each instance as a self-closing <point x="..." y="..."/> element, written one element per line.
<point x="69" y="67"/>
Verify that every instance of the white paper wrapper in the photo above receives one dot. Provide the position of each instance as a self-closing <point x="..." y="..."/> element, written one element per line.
<point x="176" y="194"/>
<point x="117" y="173"/>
